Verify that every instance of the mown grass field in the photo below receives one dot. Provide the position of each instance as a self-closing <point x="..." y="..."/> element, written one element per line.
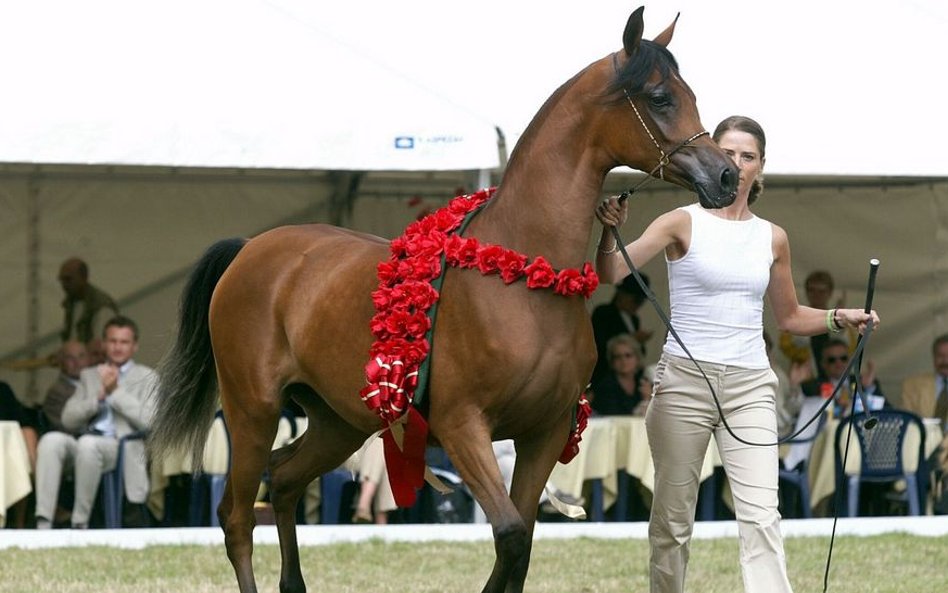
<point x="892" y="563"/>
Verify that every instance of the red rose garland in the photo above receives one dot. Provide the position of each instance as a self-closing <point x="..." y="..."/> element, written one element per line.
<point x="405" y="295"/>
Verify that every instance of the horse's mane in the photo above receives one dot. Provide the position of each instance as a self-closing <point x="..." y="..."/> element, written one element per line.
<point x="634" y="74"/>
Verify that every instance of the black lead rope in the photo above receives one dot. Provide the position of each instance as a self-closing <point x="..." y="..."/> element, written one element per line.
<point x="850" y="374"/>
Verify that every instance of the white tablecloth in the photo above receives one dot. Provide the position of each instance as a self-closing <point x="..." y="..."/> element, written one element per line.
<point x="611" y="444"/>
<point x="14" y="467"/>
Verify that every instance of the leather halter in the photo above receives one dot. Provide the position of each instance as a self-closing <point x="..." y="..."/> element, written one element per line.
<point x="664" y="158"/>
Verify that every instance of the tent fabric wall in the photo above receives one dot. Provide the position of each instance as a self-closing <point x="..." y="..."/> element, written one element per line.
<point x="141" y="231"/>
<point x="839" y="225"/>
<point x="139" y="234"/>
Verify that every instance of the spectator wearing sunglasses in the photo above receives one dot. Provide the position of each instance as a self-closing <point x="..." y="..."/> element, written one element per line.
<point x="617" y="393"/>
<point x="820" y="288"/>
<point x="834" y="359"/>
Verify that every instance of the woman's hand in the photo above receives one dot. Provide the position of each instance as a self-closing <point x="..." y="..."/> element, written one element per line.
<point x="857" y="318"/>
<point x="612" y="212"/>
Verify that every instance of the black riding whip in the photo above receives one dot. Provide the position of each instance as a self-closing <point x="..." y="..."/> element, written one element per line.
<point x="871" y="420"/>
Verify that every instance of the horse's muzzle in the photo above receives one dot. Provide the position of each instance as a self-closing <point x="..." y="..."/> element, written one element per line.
<point x="720" y="194"/>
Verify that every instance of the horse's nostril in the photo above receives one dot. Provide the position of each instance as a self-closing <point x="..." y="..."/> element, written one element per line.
<point x="728" y="179"/>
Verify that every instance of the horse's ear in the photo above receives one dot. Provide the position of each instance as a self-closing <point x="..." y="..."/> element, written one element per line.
<point x="633" y="31"/>
<point x="665" y="37"/>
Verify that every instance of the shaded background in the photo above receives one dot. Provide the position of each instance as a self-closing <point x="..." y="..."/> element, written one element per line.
<point x="134" y="135"/>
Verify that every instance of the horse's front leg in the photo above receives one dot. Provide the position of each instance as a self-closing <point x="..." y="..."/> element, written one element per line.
<point x="468" y="443"/>
<point x="536" y="456"/>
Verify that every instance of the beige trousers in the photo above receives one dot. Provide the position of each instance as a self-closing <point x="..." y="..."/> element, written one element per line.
<point x="680" y="421"/>
<point x="88" y="456"/>
<point x="372" y="469"/>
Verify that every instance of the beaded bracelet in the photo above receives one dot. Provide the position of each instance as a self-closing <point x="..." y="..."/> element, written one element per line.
<point x="831" y="325"/>
<point x="615" y="247"/>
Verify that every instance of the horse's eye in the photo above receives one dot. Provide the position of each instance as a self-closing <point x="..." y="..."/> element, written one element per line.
<point x="660" y="100"/>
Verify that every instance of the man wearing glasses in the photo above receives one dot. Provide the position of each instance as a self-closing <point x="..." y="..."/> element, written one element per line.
<point x="834" y="358"/>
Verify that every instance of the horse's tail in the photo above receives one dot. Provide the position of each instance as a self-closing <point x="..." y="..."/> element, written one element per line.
<point x="187" y="391"/>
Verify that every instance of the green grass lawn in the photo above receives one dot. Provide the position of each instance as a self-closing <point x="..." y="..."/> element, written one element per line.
<point x="891" y="563"/>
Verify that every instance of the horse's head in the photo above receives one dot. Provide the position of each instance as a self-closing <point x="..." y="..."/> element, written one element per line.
<point x="660" y="131"/>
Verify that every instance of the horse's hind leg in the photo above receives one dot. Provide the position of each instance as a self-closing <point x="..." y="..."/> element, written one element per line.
<point x="326" y="444"/>
<point x="468" y="444"/>
<point x="252" y="422"/>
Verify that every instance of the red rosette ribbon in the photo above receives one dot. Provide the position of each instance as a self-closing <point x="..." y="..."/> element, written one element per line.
<point x="391" y="387"/>
<point x="402" y="301"/>
<point x="583" y="411"/>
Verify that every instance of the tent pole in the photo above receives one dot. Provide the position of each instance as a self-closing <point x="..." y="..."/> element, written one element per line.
<point x="32" y="279"/>
<point x="344" y="192"/>
<point x="483" y="178"/>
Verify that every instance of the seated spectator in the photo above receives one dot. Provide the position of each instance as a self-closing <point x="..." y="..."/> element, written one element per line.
<point x="619" y="316"/>
<point x="819" y="288"/>
<point x="647" y="380"/>
<point x="11" y="409"/>
<point x="833" y="362"/>
<point x="926" y="395"/>
<point x="73" y="357"/>
<point x="375" y="493"/>
<point x="112" y="400"/>
<point x="617" y="393"/>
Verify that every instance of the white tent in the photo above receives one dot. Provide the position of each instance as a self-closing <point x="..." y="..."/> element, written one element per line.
<point x="133" y="134"/>
<point x="847" y="87"/>
<point x="843" y="87"/>
<point x="216" y="84"/>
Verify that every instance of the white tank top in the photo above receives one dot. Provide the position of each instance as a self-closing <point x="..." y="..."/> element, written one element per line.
<point x="717" y="290"/>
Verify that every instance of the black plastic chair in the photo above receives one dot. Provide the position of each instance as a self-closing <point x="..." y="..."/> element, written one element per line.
<point x="882" y="452"/>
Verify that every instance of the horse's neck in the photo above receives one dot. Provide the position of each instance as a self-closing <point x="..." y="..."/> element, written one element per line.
<point x="545" y="203"/>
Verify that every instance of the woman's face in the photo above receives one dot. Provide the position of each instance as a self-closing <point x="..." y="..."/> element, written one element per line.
<point x="624" y="359"/>
<point x="744" y="151"/>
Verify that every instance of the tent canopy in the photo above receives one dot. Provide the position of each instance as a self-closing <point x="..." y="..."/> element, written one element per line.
<point x="842" y="88"/>
<point x="217" y="84"/>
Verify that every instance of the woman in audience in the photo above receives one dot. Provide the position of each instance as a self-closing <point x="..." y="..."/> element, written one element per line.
<point x="617" y="392"/>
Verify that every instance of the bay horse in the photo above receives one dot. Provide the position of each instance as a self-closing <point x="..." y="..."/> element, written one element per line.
<point x="286" y="314"/>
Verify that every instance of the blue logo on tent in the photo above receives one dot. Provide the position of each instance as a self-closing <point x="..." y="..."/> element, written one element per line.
<point x="404" y="142"/>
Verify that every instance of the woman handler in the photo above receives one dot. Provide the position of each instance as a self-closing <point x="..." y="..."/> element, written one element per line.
<point x="721" y="263"/>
